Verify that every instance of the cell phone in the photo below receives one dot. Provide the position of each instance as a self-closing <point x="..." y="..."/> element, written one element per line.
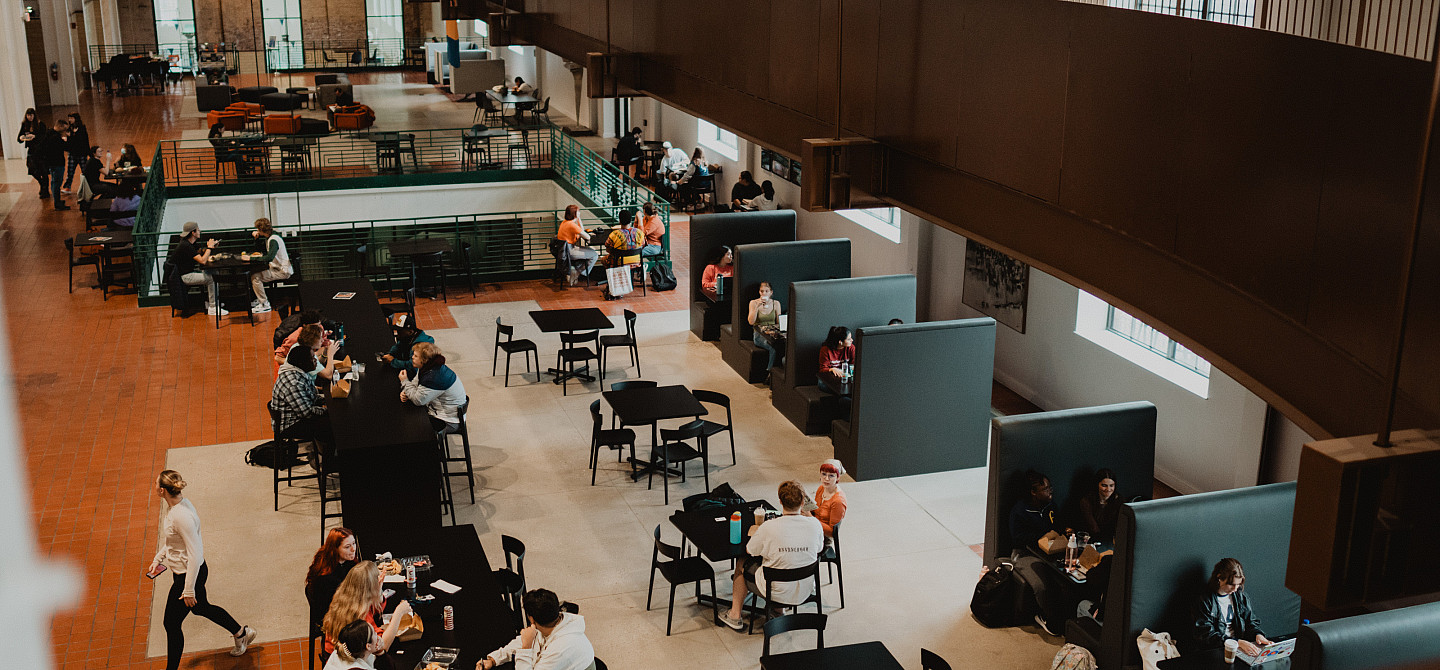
<point x="159" y="568"/>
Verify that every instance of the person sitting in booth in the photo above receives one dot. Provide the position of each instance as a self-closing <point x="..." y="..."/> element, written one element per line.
<point x="554" y="640"/>
<point x="722" y="266"/>
<point x="791" y="541"/>
<point x="1033" y="516"/>
<point x="837" y="355"/>
<point x="1224" y="612"/>
<point x="1100" y="508"/>
<point x="764" y="316"/>
<point x="744" y="190"/>
<point x="433" y="386"/>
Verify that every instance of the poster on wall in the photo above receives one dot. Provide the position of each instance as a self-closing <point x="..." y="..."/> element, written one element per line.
<point x="996" y="285"/>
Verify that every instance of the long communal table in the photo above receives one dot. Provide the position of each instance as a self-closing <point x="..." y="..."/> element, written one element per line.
<point x="386" y="451"/>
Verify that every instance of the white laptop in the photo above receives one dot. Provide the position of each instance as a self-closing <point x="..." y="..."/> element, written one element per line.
<point x="1269" y="653"/>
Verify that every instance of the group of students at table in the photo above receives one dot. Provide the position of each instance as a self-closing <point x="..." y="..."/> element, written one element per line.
<point x="305" y="362"/>
<point x="188" y="258"/>
<point x="53" y="154"/>
<point x="1222" y="612"/>
<point x="677" y="169"/>
<point x="346" y="599"/>
<point x="637" y="235"/>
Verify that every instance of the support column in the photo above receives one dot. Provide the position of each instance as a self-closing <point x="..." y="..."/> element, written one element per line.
<point x="16" y="94"/>
<point x="110" y="22"/>
<point x="59" y="50"/>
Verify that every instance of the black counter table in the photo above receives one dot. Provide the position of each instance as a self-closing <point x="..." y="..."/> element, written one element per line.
<point x="483" y="623"/>
<point x="385" y="449"/>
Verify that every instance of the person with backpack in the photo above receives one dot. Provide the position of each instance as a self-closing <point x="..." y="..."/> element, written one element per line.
<point x="299" y="407"/>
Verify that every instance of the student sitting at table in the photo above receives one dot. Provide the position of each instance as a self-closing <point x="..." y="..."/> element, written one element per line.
<point x="359" y="598"/>
<point x="1033" y="516"/>
<point x="829" y="499"/>
<point x="1031" y="519"/>
<point x="407" y="335"/>
<point x="187" y="256"/>
<point x="722" y="266"/>
<point x="837" y="354"/>
<point x="654" y="230"/>
<point x="744" y="190"/>
<point x="574" y="233"/>
<point x="764" y="316"/>
<point x="674" y="161"/>
<point x="300" y="411"/>
<point x="314" y="338"/>
<point x="1100" y="508"/>
<point x="434" y="386"/>
<point x="127" y="202"/>
<point x="333" y="561"/>
<point x="764" y="202"/>
<point x="554" y="640"/>
<point x="129" y="161"/>
<point x="306" y="318"/>
<point x="92" y="171"/>
<point x="697" y="167"/>
<point x="622" y="246"/>
<point x="1224" y="612"/>
<point x="791" y="541"/>
<point x="628" y="153"/>
<point x="355" y="647"/>
<point x="521" y="88"/>
<point x="276" y="259"/>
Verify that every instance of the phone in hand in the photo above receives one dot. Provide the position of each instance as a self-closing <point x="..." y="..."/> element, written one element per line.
<point x="159" y="568"/>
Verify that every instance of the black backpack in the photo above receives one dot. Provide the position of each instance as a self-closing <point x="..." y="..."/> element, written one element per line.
<point x="720" y="496"/>
<point x="263" y="456"/>
<point x="999" y="599"/>
<point x="662" y="278"/>
<point x="287" y="325"/>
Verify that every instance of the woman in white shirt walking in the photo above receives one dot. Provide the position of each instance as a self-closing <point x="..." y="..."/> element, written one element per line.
<point x="183" y="553"/>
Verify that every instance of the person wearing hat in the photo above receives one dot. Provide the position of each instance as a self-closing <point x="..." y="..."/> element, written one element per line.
<point x="829" y="499"/>
<point x="675" y="161"/>
<point x="188" y="255"/>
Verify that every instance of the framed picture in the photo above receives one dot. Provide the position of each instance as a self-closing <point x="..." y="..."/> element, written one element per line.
<point x="996" y="285"/>
<point x="780" y="166"/>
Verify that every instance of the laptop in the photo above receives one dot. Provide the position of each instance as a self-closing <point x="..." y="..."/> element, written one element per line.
<point x="1269" y="653"/>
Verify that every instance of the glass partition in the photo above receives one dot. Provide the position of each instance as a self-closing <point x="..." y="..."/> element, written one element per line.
<point x="385" y="24"/>
<point x="175" y="30"/>
<point x="284" y="39"/>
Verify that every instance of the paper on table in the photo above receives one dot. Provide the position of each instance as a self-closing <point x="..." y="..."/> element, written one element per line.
<point x="444" y="586"/>
<point x="394" y="579"/>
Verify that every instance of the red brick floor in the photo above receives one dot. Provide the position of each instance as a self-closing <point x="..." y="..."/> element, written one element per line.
<point x="105" y="388"/>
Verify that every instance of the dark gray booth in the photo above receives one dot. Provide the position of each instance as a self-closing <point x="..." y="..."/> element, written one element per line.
<point x="780" y="263"/>
<point x="1164" y="552"/>
<point x="1068" y="446"/>
<point x="709" y="232"/>
<point x="1401" y="639"/>
<point x="815" y="306"/>
<point x="920" y="399"/>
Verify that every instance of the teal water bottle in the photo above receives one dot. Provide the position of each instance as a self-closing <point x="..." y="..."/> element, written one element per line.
<point x="735" y="528"/>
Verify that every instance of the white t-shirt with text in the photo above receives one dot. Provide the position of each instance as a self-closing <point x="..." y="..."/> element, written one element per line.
<point x="791" y="541"/>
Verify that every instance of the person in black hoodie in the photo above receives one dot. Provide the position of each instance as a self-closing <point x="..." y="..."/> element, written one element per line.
<point x="77" y="147"/>
<point x="49" y="154"/>
<point x="93" y="169"/>
<point x="31" y="130"/>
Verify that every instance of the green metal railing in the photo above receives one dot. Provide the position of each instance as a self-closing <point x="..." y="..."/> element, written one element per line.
<point x="148" y="218"/>
<point x="303" y="160"/>
<point x="599" y="180"/>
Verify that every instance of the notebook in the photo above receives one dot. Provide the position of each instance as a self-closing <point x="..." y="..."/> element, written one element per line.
<point x="1269" y="653"/>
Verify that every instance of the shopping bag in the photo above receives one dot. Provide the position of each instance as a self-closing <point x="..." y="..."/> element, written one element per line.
<point x="1155" y="647"/>
<point x="617" y="279"/>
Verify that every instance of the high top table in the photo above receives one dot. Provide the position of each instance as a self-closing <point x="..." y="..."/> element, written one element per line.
<point x="386" y="451"/>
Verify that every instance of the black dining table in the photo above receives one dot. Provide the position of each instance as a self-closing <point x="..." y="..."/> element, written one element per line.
<point x="709" y="529"/>
<point x="483" y="622"/>
<point x="386" y="451"/>
<point x="569" y="321"/>
<point x="862" y="656"/>
<point x="108" y="238"/>
<point x="638" y="406"/>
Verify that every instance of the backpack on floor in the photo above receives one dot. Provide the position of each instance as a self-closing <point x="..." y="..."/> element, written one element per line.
<point x="1073" y="657"/>
<point x="263" y="456"/>
<point x="662" y="278"/>
<point x="999" y="598"/>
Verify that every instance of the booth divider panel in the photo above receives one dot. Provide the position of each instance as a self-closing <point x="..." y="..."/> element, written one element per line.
<point x="858" y="302"/>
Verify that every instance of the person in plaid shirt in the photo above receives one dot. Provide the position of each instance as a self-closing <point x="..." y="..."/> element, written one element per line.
<point x="294" y="397"/>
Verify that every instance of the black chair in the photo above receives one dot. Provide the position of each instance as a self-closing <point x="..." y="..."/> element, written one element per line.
<point x="460" y="264"/>
<point x="541" y="112"/>
<point x="673" y="448"/>
<point x="627" y="340"/>
<point x="680" y="570"/>
<point x="286" y="448"/>
<point x="628" y="384"/>
<point x="775" y="576"/>
<point x="713" y="428"/>
<point x="794" y="622"/>
<point x="406" y="306"/>
<point x="599" y="437"/>
<point x="831" y="558"/>
<point x="429" y="270"/>
<point x="930" y="660"/>
<point x="571" y="353"/>
<point x="329" y="492"/>
<point x="233" y="287"/>
<point x="117" y="269"/>
<point x="512" y="346"/>
<point x="85" y="259"/>
<point x="511" y="578"/>
<point x="446" y="459"/>
<point x="485" y="109"/>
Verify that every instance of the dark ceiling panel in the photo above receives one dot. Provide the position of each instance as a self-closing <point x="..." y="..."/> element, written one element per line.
<point x="794" y="45"/>
<point x="917" y="86"/>
<point x="861" y="69"/>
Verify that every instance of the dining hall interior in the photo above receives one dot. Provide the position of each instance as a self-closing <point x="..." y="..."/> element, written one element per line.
<point x="957" y="264"/>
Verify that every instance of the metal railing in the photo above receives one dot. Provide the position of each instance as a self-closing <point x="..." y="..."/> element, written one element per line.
<point x="1400" y="27"/>
<point x="345" y="54"/>
<point x="254" y="157"/>
<point x="601" y="181"/>
<point x="101" y="54"/>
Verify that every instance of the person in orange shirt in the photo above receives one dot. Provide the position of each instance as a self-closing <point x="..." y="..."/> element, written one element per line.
<point x="829" y="499"/>
<point x="654" y="232"/>
<point x="573" y="232"/>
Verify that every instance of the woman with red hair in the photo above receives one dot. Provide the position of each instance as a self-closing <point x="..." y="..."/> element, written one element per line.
<point x="333" y="561"/>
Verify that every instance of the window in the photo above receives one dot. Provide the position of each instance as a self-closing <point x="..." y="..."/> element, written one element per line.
<point x="883" y="221"/>
<point x="1128" y="337"/>
<point x="482" y="28"/>
<point x="385" y="28"/>
<point x="284" y="45"/>
<point x="720" y="141"/>
<point x="175" y="29"/>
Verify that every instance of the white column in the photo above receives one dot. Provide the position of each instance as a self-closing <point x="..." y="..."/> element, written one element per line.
<point x="16" y="94"/>
<point x="59" y="50"/>
<point x="110" y="22"/>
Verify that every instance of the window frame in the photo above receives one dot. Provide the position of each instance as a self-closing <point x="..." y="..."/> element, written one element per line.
<point x="887" y="227"/>
<point x="1093" y="321"/>
<point x="712" y="137"/>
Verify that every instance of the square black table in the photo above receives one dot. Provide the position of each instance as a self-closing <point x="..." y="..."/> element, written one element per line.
<point x="650" y="405"/>
<point x="569" y="321"/>
<point x="863" y="656"/>
<point x="711" y="537"/>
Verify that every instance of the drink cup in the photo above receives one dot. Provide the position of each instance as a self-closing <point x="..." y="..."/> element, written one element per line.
<point x="1231" y="646"/>
<point x="759" y="515"/>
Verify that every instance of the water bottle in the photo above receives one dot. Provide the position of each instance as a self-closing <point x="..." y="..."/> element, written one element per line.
<point x="735" y="527"/>
<point x="1072" y="552"/>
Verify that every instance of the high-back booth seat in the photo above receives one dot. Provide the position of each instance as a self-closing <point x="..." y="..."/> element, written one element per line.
<point x="1164" y="552"/>
<point x="709" y="232"/>
<point x="354" y="117"/>
<point x="815" y="306"/>
<point x="1067" y="446"/>
<point x="211" y="97"/>
<point x="476" y="72"/>
<point x="779" y="263"/>
<point x="1402" y="639"/>
<point x="920" y="399"/>
<point x="254" y="93"/>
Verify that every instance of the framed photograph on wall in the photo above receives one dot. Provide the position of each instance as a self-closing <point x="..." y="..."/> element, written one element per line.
<point x="996" y="285"/>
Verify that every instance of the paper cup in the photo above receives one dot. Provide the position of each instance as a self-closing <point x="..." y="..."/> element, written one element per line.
<point x="1231" y="646"/>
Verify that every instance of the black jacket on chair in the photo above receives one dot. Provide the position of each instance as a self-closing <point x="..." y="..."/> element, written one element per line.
<point x="1210" y="631"/>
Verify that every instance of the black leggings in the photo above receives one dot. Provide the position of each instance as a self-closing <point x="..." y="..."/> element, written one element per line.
<point x="176" y="611"/>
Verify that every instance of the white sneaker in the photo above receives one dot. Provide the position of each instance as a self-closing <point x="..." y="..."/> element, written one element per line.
<point x="212" y="310"/>
<point x="260" y="308"/>
<point x="247" y="635"/>
<point x="733" y="623"/>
